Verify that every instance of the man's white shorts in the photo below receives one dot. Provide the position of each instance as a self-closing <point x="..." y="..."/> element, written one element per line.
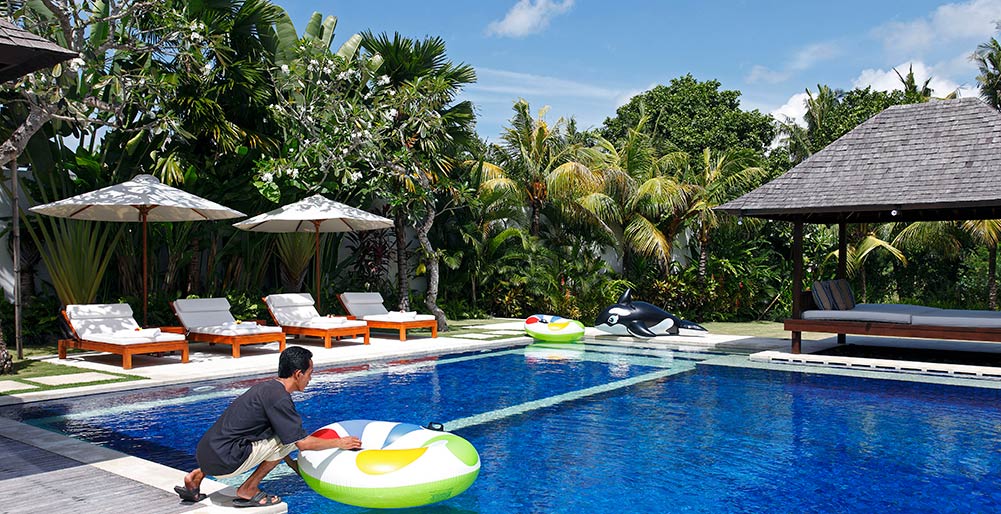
<point x="269" y="450"/>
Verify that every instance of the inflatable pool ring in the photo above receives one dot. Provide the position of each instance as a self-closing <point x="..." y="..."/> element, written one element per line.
<point x="544" y="327"/>
<point x="399" y="465"/>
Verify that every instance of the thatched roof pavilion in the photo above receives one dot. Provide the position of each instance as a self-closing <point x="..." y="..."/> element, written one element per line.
<point x="939" y="160"/>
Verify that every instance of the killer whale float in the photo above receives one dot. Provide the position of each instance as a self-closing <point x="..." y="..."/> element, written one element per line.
<point x="641" y="319"/>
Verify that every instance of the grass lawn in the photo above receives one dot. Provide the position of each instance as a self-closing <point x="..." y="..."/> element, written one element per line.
<point x="29" y="368"/>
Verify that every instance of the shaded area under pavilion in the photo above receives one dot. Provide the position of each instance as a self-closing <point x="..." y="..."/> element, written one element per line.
<point x="934" y="161"/>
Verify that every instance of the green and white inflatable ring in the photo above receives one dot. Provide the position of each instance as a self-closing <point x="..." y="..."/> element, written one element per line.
<point x="399" y="465"/>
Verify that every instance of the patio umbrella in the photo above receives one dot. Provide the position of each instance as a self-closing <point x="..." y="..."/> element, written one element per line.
<point x="315" y="214"/>
<point x="141" y="199"/>
<point x="21" y="53"/>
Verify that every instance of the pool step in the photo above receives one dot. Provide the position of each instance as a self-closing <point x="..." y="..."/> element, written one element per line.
<point x="893" y="366"/>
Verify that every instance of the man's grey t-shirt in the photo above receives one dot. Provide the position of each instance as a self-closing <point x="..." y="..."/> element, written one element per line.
<point x="265" y="410"/>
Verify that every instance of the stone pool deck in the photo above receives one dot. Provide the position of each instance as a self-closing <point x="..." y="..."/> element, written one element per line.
<point x="48" y="472"/>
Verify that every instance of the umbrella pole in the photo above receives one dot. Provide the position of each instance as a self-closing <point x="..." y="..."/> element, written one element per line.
<point x="316" y="224"/>
<point x="143" y="212"/>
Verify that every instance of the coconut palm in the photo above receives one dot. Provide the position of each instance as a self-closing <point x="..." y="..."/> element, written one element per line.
<point x="717" y="177"/>
<point x="988" y="232"/>
<point x="541" y="162"/>
<point x="637" y="196"/>
<point x="988" y="60"/>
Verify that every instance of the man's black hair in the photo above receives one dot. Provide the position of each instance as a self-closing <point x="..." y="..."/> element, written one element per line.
<point x="294" y="358"/>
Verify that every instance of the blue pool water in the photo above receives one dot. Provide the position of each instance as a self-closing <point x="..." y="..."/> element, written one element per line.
<point x="602" y="429"/>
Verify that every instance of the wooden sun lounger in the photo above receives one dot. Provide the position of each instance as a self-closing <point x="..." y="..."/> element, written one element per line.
<point x="370" y="307"/>
<point x="235" y="341"/>
<point x="125" y="350"/>
<point x="327" y="334"/>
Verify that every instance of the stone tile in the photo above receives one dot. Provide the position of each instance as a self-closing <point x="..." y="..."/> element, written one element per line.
<point x="13" y="385"/>
<point x="73" y="378"/>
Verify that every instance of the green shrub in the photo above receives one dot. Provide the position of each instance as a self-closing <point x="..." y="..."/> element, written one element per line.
<point x="40" y="321"/>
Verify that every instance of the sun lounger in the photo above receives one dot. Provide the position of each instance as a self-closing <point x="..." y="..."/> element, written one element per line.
<point x="111" y="328"/>
<point x="295" y="313"/>
<point x="369" y="307"/>
<point x="208" y="320"/>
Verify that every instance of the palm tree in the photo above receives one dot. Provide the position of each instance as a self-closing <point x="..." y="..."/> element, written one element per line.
<point x="988" y="60"/>
<point x="988" y="232"/>
<point x="718" y="177"/>
<point x="540" y="158"/>
<point x="637" y="196"/>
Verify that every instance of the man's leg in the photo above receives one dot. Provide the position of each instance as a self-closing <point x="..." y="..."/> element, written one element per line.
<point x="252" y="485"/>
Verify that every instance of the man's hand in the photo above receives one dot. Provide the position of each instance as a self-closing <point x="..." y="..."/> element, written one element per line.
<point x="348" y="443"/>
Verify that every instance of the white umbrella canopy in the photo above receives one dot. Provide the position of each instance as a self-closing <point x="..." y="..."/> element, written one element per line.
<point x="315" y="214"/>
<point x="141" y="199"/>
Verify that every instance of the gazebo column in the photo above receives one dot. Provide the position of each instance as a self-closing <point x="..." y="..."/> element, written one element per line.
<point x="842" y="260"/>
<point x="797" y="282"/>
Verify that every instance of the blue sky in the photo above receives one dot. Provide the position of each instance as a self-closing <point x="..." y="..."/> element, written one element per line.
<point x="584" y="58"/>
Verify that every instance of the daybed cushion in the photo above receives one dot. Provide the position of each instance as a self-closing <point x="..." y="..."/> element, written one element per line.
<point x="879" y="312"/>
<point x="362" y="305"/>
<point x="959" y="318"/>
<point x="113" y="323"/>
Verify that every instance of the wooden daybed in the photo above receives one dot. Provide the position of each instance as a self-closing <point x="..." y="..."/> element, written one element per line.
<point x="111" y="328"/>
<point x="897" y="320"/>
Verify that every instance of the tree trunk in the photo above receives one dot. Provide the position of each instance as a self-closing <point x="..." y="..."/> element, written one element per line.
<point x="402" y="284"/>
<point x="6" y="360"/>
<point x="431" y="300"/>
<point x="703" y="253"/>
<point x="194" y="281"/>
<point x="18" y="140"/>
<point x="992" y="286"/>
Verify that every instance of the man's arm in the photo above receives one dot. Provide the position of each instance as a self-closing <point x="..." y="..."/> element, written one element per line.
<point x="311" y="442"/>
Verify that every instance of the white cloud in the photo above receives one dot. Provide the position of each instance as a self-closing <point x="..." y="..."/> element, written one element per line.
<point x="528" y="17"/>
<point x="803" y="59"/>
<point x="970" y="21"/>
<point x="807" y="57"/>
<point x="762" y="74"/>
<point x="887" y="80"/>
<point x="517" y="84"/>
<point x="794" y="109"/>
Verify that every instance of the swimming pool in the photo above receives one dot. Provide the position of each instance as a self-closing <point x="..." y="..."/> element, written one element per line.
<point x="597" y="428"/>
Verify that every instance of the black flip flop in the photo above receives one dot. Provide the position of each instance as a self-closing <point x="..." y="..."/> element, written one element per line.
<point x="256" y="501"/>
<point x="189" y="495"/>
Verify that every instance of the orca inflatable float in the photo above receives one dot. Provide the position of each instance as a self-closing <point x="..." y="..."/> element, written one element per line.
<point x="641" y="319"/>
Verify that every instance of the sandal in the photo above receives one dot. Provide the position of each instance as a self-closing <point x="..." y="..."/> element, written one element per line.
<point x="256" y="501"/>
<point x="189" y="495"/>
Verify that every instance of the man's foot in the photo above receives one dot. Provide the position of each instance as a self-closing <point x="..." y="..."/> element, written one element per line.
<point x="189" y="495"/>
<point x="261" y="499"/>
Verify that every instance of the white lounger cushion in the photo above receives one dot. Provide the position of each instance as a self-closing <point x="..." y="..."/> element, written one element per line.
<point x="113" y="323"/>
<point x="362" y="305"/>
<point x="370" y="307"/>
<point x="397" y="316"/>
<point x="296" y="310"/>
<point x="212" y="316"/>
